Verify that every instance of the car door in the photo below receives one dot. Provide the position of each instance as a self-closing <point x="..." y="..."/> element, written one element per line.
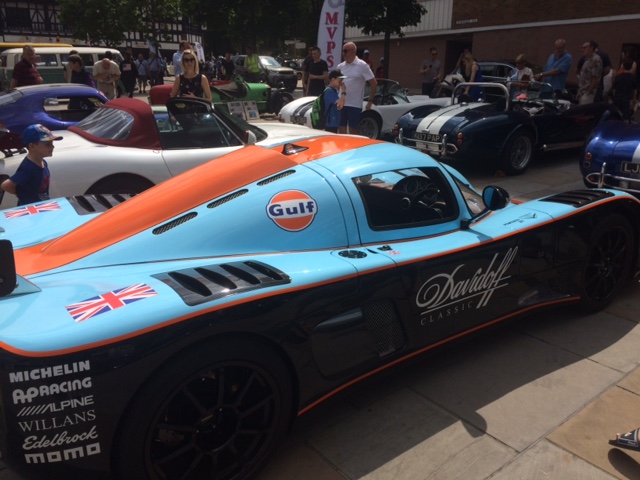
<point x="454" y="279"/>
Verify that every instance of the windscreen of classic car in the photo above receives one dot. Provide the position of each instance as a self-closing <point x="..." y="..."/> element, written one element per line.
<point x="10" y="96"/>
<point x="406" y="198"/>
<point x="107" y="123"/>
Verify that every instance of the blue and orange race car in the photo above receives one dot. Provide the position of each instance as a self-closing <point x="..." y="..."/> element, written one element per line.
<point x="177" y="334"/>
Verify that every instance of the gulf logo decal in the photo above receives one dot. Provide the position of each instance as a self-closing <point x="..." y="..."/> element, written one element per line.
<point x="292" y="210"/>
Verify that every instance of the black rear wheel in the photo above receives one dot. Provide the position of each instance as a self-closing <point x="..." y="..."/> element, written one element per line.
<point x="608" y="262"/>
<point x="518" y="153"/>
<point x="215" y="412"/>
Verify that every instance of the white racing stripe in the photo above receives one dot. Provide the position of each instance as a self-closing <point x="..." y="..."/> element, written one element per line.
<point x="437" y="119"/>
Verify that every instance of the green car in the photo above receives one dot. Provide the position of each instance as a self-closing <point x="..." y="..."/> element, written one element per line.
<point x="268" y="99"/>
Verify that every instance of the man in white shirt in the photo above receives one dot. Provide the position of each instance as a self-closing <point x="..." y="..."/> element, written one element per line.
<point x="357" y="73"/>
<point x="177" y="57"/>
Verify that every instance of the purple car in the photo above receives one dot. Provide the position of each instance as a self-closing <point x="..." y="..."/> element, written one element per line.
<point x="56" y="106"/>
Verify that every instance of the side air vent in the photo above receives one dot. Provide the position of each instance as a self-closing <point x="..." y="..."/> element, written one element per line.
<point x="174" y="223"/>
<point x="86" y="204"/>
<point x="204" y="284"/>
<point x="228" y="198"/>
<point x="275" y="178"/>
<point x="578" y="198"/>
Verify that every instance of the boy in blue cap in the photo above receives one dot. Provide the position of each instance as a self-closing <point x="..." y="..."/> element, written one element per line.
<point x="333" y="101"/>
<point x="31" y="181"/>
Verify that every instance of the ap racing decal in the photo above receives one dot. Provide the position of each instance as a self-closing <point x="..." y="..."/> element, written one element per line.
<point x="292" y="210"/>
<point x="454" y="292"/>
<point x="31" y="209"/>
<point x="106" y="302"/>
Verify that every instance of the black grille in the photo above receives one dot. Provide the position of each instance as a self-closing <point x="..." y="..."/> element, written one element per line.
<point x="228" y="198"/>
<point x="212" y="282"/>
<point x="87" y="204"/>
<point x="578" y="198"/>
<point x="174" y="223"/>
<point x="276" y="177"/>
<point x="383" y="322"/>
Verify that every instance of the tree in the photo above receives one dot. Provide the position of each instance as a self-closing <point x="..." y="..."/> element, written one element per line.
<point x="107" y="21"/>
<point x="100" y="21"/>
<point x="383" y="16"/>
<point x="262" y="24"/>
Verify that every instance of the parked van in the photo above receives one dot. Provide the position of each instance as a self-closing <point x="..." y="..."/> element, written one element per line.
<point x="7" y="45"/>
<point x="51" y="61"/>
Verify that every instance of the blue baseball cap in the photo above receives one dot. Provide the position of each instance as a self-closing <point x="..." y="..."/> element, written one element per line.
<point x="37" y="133"/>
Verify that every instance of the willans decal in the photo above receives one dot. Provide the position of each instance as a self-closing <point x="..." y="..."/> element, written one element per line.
<point x="292" y="210"/>
<point x="451" y="290"/>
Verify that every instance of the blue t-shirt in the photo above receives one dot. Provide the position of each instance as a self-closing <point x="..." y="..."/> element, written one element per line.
<point x="563" y="63"/>
<point x="330" y="108"/>
<point x="32" y="182"/>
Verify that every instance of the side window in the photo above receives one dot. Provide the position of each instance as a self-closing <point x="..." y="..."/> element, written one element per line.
<point x="406" y="198"/>
<point x="47" y="60"/>
<point x="194" y="131"/>
<point x="87" y="60"/>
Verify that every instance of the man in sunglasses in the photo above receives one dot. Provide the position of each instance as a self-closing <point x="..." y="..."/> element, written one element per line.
<point x="357" y="73"/>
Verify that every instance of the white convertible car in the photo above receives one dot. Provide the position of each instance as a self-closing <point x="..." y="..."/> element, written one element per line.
<point x="391" y="102"/>
<point x="127" y="146"/>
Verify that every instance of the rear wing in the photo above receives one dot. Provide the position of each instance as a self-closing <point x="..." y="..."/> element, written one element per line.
<point x="8" y="279"/>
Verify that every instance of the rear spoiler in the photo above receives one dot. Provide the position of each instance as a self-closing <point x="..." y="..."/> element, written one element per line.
<point x="8" y="279"/>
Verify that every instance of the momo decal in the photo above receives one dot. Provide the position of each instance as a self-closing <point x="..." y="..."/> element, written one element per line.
<point x="32" y="209"/>
<point x="464" y="293"/>
<point x="292" y="210"/>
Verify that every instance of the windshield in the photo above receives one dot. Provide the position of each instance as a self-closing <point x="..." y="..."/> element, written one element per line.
<point x="10" y="96"/>
<point x="239" y="126"/>
<point x="108" y="123"/>
<point x="269" y="62"/>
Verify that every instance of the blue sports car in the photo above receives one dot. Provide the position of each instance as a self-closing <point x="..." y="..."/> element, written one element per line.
<point x="56" y="106"/>
<point x="505" y="130"/>
<point x="177" y="334"/>
<point x="611" y="157"/>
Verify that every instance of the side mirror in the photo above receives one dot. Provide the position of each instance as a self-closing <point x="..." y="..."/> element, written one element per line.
<point x="8" y="279"/>
<point x="249" y="138"/>
<point x="495" y="198"/>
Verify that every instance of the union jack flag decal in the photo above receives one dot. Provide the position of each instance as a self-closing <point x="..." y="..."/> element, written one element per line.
<point x="106" y="302"/>
<point x="33" y="209"/>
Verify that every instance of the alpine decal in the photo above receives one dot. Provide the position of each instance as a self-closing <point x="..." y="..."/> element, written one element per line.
<point x="106" y="302"/>
<point x="475" y="291"/>
<point x="292" y="210"/>
<point x="32" y="209"/>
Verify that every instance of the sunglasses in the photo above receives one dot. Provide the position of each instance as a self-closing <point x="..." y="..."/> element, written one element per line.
<point x="348" y="50"/>
<point x="188" y="59"/>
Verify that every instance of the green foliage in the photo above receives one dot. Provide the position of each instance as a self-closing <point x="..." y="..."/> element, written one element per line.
<point x="106" y="22"/>
<point x="100" y="20"/>
<point x="383" y="16"/>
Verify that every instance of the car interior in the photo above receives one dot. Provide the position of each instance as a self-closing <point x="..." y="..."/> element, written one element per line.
<point x="404" y="198"/>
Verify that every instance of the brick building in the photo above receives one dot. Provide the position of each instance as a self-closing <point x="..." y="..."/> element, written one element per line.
<point x="502" y="29"/>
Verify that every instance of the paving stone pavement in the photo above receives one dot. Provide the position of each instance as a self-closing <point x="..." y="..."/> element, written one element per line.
<point x="537" y="398"/>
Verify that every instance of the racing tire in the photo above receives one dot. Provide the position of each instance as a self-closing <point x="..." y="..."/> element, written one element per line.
<point x="216" y="411"/>
<point x="370" y="125"/>
<point x="608" y="262"/>
<point x="120" y="184"/>
<point x="517" y="153"/>
<point x="279" y="100"/>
